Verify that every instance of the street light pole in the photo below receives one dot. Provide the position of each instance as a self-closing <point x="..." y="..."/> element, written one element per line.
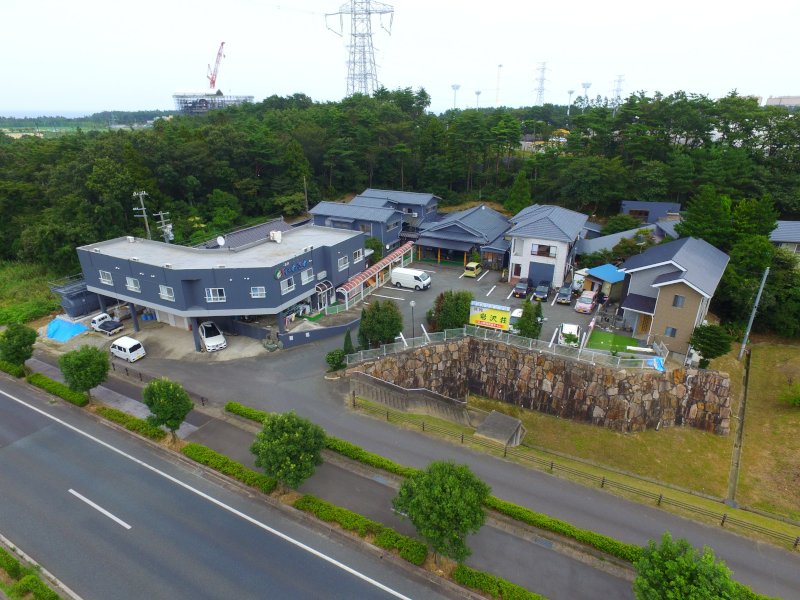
<point x="412" y="304"/>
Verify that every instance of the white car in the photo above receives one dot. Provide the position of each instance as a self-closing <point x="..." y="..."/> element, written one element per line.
<point x="212" y="337"/>
<point x="569" y="329"/>
<point x="127" y="349"/>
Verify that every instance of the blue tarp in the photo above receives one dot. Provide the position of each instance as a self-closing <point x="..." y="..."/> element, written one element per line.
<point x="656" y="363"/>
<point x="61" y="331"/>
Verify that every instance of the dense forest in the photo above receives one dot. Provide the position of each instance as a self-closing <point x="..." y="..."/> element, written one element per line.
<point x="230" y="167"/>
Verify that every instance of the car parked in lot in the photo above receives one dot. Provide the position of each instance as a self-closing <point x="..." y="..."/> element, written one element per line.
<point x="127" y="349"/>
<point x="473" y="269"/>
<point x="564" y="295"/>
<point x="542" y="291"/>
<point x="569" y="329"/>
<point x="522" y="289"/>
<point x="587" y="302"/>
<point x="212" y="337"/>
<point x="411" y="278"/>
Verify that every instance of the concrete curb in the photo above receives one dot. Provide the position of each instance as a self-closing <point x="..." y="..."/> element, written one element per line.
<point x="49" y="579"/>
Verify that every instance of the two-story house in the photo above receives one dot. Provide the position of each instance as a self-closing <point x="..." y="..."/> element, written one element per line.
<point x="373" y="221"/>
<point x="668" y="288"/>
<point x="417" y="208"/>
<point x="456" y="235"/>
<point x="543" y="241"/>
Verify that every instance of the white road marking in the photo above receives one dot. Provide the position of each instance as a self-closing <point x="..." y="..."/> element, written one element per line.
<point x="101" y="509"/>
<point x="215" y="501"/>
<point x="553" y="303"/>
<point x="485" y="273"/>
<point x="390" y="297"/>
<point x="491" y="290"/>
<point x="397" y="289"/>
<point x="509" y="293"/>
<point x="460" y="276"/>
<point x="427" y="271"/>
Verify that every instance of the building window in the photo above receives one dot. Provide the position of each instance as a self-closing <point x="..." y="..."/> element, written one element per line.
<point x="287" y="285"/>
<point x="340" y="224"/>
<point x="538" y="250"/>
<point x="431" y="209"/>
<point x="132" y="284"/>
<point x="358" y="255"/>
<point x="642" y="215"/>
<point x="391" y="226"/>
<point x="258" y="292"/>
<point x="343" y="263"/>
<point x="166" y="293"/>
<point x="307" y="276"/>
<point x="365" y="229"/>
<point x="677" y="302"/>
<point x="671" y="332"/>
<point x="408" y="211"/>
<point x="105" y="277"/>
<point x="215" y="294"/>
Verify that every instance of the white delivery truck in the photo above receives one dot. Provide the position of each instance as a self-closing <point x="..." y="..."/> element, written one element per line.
<point x="411" y="278"/>
<point x="127" y="348"/>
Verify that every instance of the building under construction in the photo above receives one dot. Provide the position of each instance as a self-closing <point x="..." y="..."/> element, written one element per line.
<point x="787" y="101"/>
<point x="197" y="102"/>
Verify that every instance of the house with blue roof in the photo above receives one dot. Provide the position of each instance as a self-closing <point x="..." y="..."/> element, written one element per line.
<point x="456" y="235"/>
<point x="606" y="280"/>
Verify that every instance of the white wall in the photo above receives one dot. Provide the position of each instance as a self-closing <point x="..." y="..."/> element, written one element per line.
<point x="525" y="258"/>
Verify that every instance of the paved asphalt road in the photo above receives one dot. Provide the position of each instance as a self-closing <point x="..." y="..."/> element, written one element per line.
<point x="179" y="544"/>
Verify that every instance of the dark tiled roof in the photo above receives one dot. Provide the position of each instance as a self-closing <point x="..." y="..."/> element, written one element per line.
<point x="400" y="197"/>
<point x="548" y="223"/>
<point x="478" y="225"/>
<point x="671" y="277"/>
<point x="249" y="235"/>
<point x="593" y="226"/>
<point x="787" y="231"/>
<point x="658" y="206"/>
<point x="499" y="244"/>
<point x="607" y="241"/>
<point x="640" y="303"/>
<point x="351" y="211"/>
<point x="668" y="227"/>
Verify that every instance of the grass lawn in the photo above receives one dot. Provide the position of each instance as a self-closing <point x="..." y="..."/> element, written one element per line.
<point x="24" y="294"/>
<point x="601" y="340"/>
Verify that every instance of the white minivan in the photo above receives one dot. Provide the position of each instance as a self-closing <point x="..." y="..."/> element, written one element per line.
<point x="411" y="278"/>
<point x="127" y="348"/>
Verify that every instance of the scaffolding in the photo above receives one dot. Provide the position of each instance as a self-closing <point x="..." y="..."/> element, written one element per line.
<point x="197" y="102"/>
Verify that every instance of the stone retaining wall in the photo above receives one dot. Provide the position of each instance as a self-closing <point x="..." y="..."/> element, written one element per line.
<point x="617" y="399"/>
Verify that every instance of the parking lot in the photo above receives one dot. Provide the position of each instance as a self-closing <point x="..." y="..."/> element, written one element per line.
<point x="486" y="288"/>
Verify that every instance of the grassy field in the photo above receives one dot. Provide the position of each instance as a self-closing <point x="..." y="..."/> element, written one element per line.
<point x="24" y="295"/>
<point x="601" y="340"/>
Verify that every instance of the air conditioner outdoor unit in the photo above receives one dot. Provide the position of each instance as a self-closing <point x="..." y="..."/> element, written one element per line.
<point x="133" y="258"/>
<point x="415" y="215"/>
<point x="167" y="265"/>
<point x="275" y="236"/>
<point x="131" y="239"/>
<point x="220" y="266"/>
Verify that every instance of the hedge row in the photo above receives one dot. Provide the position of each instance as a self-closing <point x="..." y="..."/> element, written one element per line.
<point x="628" y="552"/>
<point x="223" y="464"/>
<point x="10" y="565"/>
<point x="32" y="584"/>
<point x="745" y="593"/>
<point x="57" y="389"/>
<point x="13" y="370"/>
<point x="412" y="550"/>
<point x="132" y="423"/>
<point x="495" y="586"/>
<point x="349" y="450"/>
<point x="245" y="411"/>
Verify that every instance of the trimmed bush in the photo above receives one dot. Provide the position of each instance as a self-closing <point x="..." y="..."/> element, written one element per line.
<point x="245" y="411"/>
<point x="32" y="584"/>
<point x="628" y="552"/>
<point x="10" y="565"/>
<point x="13" y="370"/>
<point x="494" y="586"/>
<point x="349" y="450"/>
<point x="226" y="466"/>
<point x="57" y="389"/>
<point x="743" y="592"/>
<point x="132" y="423"/>
<point x="410" y="549"/>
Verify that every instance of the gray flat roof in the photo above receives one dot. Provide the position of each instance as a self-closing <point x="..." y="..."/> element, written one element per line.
<point x="260" y="254"/>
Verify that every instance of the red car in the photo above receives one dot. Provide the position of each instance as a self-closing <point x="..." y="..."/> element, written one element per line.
<point x="586" y="303"/>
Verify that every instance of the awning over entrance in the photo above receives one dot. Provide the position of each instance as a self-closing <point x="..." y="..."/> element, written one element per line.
<point x="323" y="286"/>
<point x="540" y="272"/>
<point x="376" y="268"/>
<point x="445" y="244"/>
<point x="640" y="304"/>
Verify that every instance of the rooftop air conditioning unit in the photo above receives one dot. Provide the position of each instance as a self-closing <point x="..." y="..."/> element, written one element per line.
<point x="220" y="266"/>
<point x="131" y="239"/>
<point x="96" y="250"/>
<point x="275" y="236"/>
<point x="415" y="215"/>
<point x="167" y="265"/>
<point x="133" y="258"/>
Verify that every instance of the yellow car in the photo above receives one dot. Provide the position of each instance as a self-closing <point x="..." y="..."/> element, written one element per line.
<point x="473" y="269"/>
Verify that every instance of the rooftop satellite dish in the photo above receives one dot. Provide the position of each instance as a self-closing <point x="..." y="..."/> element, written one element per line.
<point x="220" y="241"/>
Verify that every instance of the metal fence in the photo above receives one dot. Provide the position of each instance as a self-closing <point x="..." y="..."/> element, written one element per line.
<point x="552" y="466"/>
<point x="145" y="378"/>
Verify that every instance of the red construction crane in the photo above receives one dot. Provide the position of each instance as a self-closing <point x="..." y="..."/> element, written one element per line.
<point x="212" y="75"/>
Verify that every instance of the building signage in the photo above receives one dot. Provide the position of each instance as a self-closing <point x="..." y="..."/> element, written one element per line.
<point x="489" y="315"/>
<point x="287" y="271"/>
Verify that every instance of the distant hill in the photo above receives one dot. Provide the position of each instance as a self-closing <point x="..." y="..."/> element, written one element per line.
<point x="121" y="117"/>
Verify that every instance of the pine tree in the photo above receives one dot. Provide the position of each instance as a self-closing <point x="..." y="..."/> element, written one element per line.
<point x="348" y="343"/>
<point x="708" y="217"/>
<point x="520" y="195"/>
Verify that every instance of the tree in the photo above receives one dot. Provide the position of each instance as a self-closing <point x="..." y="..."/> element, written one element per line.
<point x="380" y="323"/>
<point x="711" y="341"/>
<point x="619" y="223"/>
<point x="675" y="570"/>
<point x="445" y="503"/>
<point x="475" y="257"/>
<point x="374" y="244"/>
<point x="348" y="342"/>
<point x="451" y="310"/>
<point x="520" y="195"/>
<point x="708" y="217"/>
<point x="16" y="343"/>
<point x="168" y="402"/>
<point x="530" y="323"/>
<point x="335" y="359"/>
<point x="288" y="448"/>
<point x="84" y="369"/>
<point x="755" y="217"/>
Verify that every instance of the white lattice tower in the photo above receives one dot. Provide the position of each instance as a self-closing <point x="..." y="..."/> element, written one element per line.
<point x="540" y="83"/>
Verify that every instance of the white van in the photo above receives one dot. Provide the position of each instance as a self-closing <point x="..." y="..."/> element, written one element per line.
<point x="127" y="348"/>
<point x="411" y="278"/>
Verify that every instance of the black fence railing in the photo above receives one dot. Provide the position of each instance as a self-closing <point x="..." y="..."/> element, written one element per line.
<point x="552" y="466"/>
<point x="145" y="378"/>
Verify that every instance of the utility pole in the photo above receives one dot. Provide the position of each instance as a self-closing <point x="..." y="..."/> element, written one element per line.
<point x="569" y="102"/>
<point x="141" y="207"/>
<point x="165" y="226"/>
<point x="499" y="83"/>
<point x="455" y="87"/>
<point x="753" y="314"/>
<point x="736" y="454"/>
<point x="305" y="191"/>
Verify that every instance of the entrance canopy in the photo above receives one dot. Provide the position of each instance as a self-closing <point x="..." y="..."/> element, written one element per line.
<point x="397" y="255"/>
<point x="444" y="244"/>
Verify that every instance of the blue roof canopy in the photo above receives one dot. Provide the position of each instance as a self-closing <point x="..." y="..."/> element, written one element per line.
<point x="607" y="273"/>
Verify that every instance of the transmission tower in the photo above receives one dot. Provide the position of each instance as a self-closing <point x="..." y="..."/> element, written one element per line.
<point x="618" y="92"/>
<point x="540" y="83"/>
<point x="362" y="73"/>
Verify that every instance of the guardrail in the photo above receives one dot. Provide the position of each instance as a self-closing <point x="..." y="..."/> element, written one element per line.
<point x="145" y="378"/>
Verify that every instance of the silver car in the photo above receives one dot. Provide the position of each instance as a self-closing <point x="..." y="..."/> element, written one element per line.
<point x="212" y="337"/>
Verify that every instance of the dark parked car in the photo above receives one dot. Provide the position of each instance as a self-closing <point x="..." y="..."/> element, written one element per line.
<point x="542" y="291"/>
<point x="522" y="289"/>
<point x="564" y="295"/>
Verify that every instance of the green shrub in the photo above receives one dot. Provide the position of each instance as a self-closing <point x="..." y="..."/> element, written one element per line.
<point x="743" y="592"/>
<point x="226" y="466"/>
<point x="410" y="549"/>
<point x="335" y="358"/>
<point x="245" y="411"/>
<point x="628" y="552"/>
<point x="10" y="565"/>
<point x="57" y="389"/>
<point x="13" y="370"/>
<point x="27" y="311"/>
<point x="494" y="586"/>
<point x="32" y="584"/>
<point x="132" y="423"/>
<point x="349" y="450"/>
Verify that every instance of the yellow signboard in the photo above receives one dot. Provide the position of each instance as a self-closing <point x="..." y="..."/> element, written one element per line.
<point x="489" y="315"/>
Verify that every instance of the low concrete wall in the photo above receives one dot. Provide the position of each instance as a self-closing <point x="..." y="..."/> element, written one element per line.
<point x="415" y="401"/>
<point x="298" y="338"/>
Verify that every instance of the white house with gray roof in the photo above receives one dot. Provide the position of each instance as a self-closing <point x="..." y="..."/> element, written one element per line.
<point x="543" y="240"/>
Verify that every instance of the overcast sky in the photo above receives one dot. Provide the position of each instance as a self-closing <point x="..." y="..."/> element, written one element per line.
<point x="80" y="57"/>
